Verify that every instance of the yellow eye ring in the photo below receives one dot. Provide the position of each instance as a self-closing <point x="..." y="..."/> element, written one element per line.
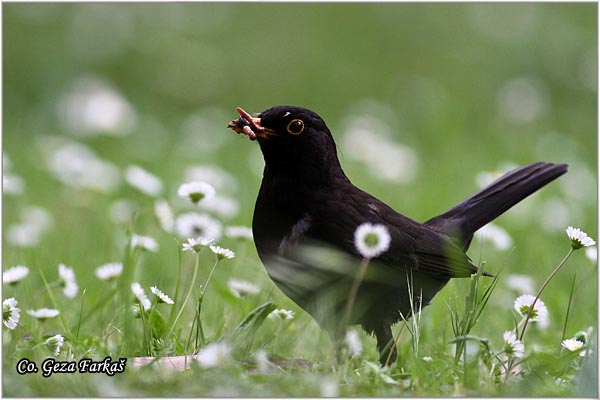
<point x="295" y="127"/>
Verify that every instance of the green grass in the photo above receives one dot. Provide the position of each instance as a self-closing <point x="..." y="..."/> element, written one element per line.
<point x="433" y="75"/>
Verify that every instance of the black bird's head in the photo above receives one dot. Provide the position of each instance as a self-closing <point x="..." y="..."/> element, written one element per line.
<point x="291" y="139"/>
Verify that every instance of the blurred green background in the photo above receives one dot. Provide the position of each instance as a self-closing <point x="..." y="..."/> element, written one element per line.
<point x="453" y="89"/>
<point x="466" y="85"/>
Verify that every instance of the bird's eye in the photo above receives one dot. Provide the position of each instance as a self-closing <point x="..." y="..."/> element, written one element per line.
<point x="295" y="127"/>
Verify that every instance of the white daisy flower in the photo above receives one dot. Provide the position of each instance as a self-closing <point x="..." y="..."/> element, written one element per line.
<point x="353" y="342"/>
<point x="573" y="345"/>
<point x="43" y="313"/>
<point x="261" y="358"/>
<point x="23" y="235"/>
<point x="55" y="343"/>
<point x="522" y="99"/>
<point x="12" y="184"/>
<point x="35" y="221"/>
<point x="592" y="253"/>
<point x="92" y="106"/>
<point x="109" y="271"/>
<point x="193" y="224"/>
<point x="241" y="288"/>
<point x="512" y="346"/>
<point x="214" y="354"/>
<point x="196" y="191"/>
<point x="497" y="236"/>
<point x="76" y="165"/>
<point x="197" y="244"/>
<point x="215" y="176"/>
<point x="367" y="140"/>
<point x="68" y="282"/>
<point x="121" y="211"/>
<point x="222" y="253"/>
<point x="165" y="216"/>
<point x="328" y="388"/>
<point x="38" y="217"/>
<point x="162" y="298"/>
<point x="371" y="240"/>
<point x="144" y="242"/>
<point x="223" y="206"/>
<point x="520" y="283"/>
<point x="10" y="313"/>
<point x="14" y="274"/>
<point x="281" y="314"/>
<point x="582" y="336"/>
<point x="239" y="232"/>
<point x="143" y="180"/>
<point x="540" y="312"/>
<point x="579" y="238"/>
<point x="140" y="295"/>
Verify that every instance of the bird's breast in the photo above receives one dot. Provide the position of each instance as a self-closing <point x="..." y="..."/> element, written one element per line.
<point x="280" y="213"/>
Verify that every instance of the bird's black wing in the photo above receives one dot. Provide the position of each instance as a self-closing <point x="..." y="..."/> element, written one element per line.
<point x="413" y="245"/>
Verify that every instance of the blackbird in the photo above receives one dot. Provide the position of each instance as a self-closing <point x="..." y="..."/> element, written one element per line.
<point x="307" y="211"/>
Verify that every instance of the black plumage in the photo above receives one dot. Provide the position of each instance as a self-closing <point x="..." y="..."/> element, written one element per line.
<point x="307" y="211"/>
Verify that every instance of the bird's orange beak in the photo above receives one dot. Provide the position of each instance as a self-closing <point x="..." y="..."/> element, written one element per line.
<point x="249" y="125"/>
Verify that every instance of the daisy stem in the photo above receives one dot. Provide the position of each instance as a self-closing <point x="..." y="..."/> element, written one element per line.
<point x="199" y="340"/>
<point x="197" y="329"/>
<point x="83" y="293"/>
<point x="145" y="341"/>
<point x="177" y="286"/>
<point x="150" y="322"/>
<point x="189" y="339"/>
<point x="564" y="332"/>
<point x="531" y="308"/>
<point x="539" y="293"/>
<point x="199" y="336"/>
<point x="92" y="312"/>
<point x="55" y="304"/>
<point x="208" y="279"/>
<point x="187" y="296"/>
<point x="507" y="369"/>
<point x="352" y="295"/>
<point x="123" y="297"/>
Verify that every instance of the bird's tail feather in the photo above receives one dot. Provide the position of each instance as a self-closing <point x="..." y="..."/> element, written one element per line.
<point x="462" y="220"/>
